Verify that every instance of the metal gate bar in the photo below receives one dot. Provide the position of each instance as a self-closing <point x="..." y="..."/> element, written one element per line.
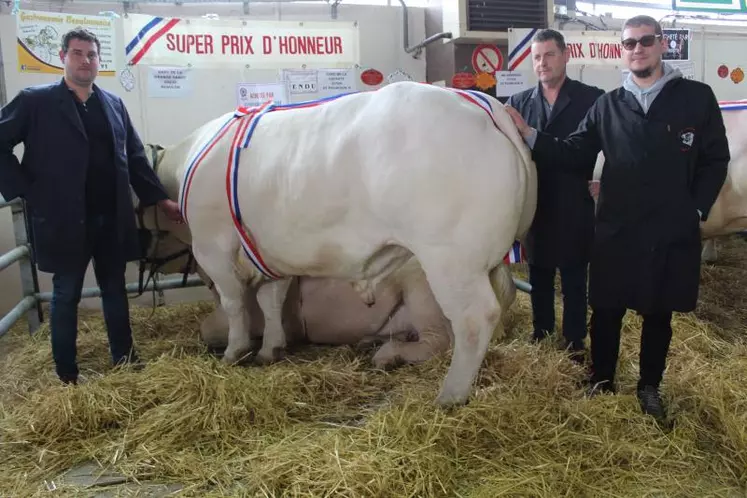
<point x="30" y="304"/>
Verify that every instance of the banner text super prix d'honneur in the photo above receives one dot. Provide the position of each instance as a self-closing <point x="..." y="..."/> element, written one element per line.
<point x="252" y="44"/>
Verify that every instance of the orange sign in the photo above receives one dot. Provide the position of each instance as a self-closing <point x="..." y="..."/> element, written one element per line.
<point x="737" y="75"/>
<point x="463" y="80"/>
<point x="485" y="81"/>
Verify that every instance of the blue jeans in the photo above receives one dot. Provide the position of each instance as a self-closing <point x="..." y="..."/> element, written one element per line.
<point x="109" y="268"/>
<point x="573" y="285"/>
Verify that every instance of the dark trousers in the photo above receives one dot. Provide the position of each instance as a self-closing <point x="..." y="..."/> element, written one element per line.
<point x="109" y="268"/>
<point x="573" y="286"/>
<point x="656" y="335"/>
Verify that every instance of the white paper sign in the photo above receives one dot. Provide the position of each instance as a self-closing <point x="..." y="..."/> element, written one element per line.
<point x="169" y="82"/>
<point x="335" y="81"/>
<point x="256" y="94"/>
<point x="510" y="82"/>
<point x="687" y="68"/>
<point x="299" y="81"/>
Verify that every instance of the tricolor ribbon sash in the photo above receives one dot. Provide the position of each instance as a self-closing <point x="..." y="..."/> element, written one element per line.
<point x="245" y="121"/>
<point x="733" y="105"/>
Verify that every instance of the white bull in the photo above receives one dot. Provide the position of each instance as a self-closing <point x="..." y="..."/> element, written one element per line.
<point x="729" y="212"/>
<point x="405" y="316"/>
<point x="354" y="188"/>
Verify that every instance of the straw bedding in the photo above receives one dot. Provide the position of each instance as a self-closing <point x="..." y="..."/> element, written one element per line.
<point x="325" y="423"/>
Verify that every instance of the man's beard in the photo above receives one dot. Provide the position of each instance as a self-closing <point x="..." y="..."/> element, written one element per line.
<point x="643" y="73"/>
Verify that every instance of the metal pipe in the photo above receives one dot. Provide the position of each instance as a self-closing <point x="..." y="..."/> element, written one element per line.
<point x="3" y="91"/>
<point x="15" y="254"/>
<point x="406" y="34"/>
<point x="174" y="283"/>
<point x="29" y="281"/>
<point x="24" y="306"/>
<point x="523" y="286"/>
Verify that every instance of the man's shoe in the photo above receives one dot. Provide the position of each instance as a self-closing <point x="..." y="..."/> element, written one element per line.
<point x="596" y="387"/>
<point x="651" y="402"/>
<point x="576" y="350"/>
<point x="69" y="379"/>
<point x="539" y="335"/>
<point x="132" y="360"/>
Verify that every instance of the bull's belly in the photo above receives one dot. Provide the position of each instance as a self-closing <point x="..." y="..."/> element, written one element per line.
<point x="334" y="313"/>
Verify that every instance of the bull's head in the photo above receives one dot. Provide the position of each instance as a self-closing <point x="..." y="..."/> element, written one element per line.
<point x="164" y="244"/>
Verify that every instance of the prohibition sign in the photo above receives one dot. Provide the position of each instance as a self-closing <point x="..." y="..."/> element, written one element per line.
<point x="487" y="59"/>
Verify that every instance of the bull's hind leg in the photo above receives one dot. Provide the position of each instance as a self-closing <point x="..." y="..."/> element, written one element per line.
<point x="271" y="297"/>
<point x="218" y="265"/>
<point x="468" y="300"/>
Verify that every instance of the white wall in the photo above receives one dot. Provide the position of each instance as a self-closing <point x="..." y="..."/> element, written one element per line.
<point x="168" y="120"/>
<point x="710" y="47"/>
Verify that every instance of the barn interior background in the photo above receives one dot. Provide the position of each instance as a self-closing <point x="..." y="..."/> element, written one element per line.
<point x="333" y="424"/>
<point x="482" y="44"/>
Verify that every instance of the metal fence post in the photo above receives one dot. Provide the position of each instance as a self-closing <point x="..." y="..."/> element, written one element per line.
<point x="29" y="279"/>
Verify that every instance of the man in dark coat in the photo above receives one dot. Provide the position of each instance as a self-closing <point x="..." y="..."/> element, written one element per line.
<point x="666" y="155"/>
<point x="81" y="154"/>
<point x="563" y="228"/>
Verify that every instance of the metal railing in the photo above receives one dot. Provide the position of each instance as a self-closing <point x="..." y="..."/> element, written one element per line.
<point x="30" y="304"/>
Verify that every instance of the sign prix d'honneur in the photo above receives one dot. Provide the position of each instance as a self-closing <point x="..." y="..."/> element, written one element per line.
<point x="591" y="47"/>
<point x="251" y="44"/>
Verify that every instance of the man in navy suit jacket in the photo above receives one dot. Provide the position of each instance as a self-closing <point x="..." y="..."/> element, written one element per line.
<point x="81" y="154"/>
<point x="563" y="228"/>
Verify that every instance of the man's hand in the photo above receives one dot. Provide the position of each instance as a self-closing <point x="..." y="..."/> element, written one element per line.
<point x="522" y="125"/>
<point x="171" y="210"/>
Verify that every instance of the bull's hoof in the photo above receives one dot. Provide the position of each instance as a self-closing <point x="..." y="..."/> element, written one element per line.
<point x="232" y="357"/>
<point x="451" y="400"/>
<point x="264" y="358"/>
<point x="386" y="358"/>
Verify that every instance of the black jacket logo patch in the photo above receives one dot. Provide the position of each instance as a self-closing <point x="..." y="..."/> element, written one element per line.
<point x="687" y="137"/>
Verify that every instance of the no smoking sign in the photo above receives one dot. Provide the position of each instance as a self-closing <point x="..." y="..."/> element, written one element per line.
<point x="487" y="59"/>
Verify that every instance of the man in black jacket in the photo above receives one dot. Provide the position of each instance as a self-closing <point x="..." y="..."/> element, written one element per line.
<point x="666" y="155"/>
<point x="563" y="228"/>
<point x="81" y="154"/>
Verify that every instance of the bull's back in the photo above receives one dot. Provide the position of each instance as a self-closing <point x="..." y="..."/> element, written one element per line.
<point x="408" y="164"/>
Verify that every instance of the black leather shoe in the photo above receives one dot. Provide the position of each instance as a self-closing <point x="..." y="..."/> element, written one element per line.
<point x="596" y="387"/>
<point x="539" y="335"/>
<point x="132" y="361"/>
<point x="69" y="379"/>
<point x="651" y="402"/>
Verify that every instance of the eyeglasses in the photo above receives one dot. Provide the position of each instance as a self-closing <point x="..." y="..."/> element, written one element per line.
<point x="646" y="41"/>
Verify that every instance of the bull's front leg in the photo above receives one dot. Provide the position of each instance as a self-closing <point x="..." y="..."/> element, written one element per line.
<point x="232" y="292"/>
<point x="271" y="297"/>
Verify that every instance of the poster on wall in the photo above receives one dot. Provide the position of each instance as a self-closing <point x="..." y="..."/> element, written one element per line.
<point x="300" y="81"/>
<point x="256" y="94"/>
<point x="319" y="82"/>
<point x="510" y="82"/>
<point x="337" y="81"/>
<point x="678" y="44"/>
<point x="596" y="48"/>
<point x="719" y="6"/>
<point x="210" y="43"/>
<point x="39" y="34"/>
<point x="169" y="82"/>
